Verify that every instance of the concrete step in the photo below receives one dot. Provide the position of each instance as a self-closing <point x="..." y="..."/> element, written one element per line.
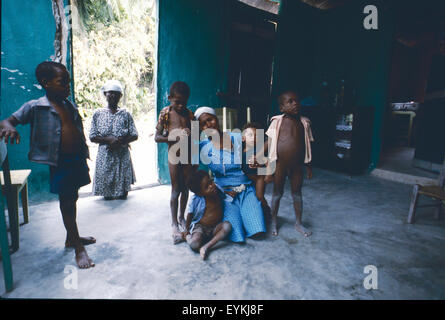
<point x="402" y="177"/>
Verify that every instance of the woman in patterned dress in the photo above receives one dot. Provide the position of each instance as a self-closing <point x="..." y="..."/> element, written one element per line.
<point x="113" y="129"/>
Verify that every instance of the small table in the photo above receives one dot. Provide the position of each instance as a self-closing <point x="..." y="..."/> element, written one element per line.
<point x="19" y="185"/>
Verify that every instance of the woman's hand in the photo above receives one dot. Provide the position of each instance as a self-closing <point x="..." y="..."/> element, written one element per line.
<point x="113" y="142"/>
<point x="231" y="193"/>
<point x="125" y="141"/>
<point x="184" y="235"/>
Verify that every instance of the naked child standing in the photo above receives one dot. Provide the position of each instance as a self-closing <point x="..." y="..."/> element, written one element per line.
<point x="290" y="148"/>
<point x="174" y="123"/>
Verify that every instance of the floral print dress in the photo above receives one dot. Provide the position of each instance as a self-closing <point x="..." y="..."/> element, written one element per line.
<point x="114" y="170"/>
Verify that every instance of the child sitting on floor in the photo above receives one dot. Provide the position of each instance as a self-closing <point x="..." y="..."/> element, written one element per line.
<point x="205" y="213"/>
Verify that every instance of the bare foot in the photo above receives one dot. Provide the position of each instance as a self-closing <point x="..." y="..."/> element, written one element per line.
<point x="273" y="227"/>
<point x="83" y="260"/>
<point x="177" y="235"/>
<point x="203" y="252"/>
<point x="84" y="240"/>
<point x="182" y="223"/>
<point x="266" y="211"/>
<point x="304" y="231"/>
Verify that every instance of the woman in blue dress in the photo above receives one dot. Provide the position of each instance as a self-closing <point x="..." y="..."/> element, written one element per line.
<point x="222" y="153"/>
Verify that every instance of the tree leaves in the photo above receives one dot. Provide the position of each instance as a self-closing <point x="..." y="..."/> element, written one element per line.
<point x="112" y="42"/>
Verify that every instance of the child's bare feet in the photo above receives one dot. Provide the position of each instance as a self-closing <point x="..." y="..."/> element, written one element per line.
<point x="182" y="223"/>
<point x="273" y="227"/>
<point x="266" y="211"/>
<point x="177" y="235"/>
<point x="204" y="252"/>
<point x="304" y="231"/>
<point x="84" y="240"/>
<point x="83" y="260"/>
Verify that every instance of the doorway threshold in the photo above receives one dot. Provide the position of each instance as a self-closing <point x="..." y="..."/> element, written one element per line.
<point x="84" y="194"/>
<point x="402" y="177"/>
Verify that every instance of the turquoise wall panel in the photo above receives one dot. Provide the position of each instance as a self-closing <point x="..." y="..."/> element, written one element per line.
<point x="192" y="47"/>
<point x="27" y="36"/>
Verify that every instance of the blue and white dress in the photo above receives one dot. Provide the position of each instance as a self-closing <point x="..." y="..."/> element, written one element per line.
<point x="244" y="212"/>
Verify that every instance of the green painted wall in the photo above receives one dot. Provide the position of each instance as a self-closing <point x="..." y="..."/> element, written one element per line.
<point x="192" y="47"/>
<point x="27" y="38"/>
<point x="313" y="43"/>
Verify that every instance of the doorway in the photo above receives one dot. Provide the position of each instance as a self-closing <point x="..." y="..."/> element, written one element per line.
<point x="252" y="42"/>
<point x="412" y="141"/>
<point x="102" y="50"/>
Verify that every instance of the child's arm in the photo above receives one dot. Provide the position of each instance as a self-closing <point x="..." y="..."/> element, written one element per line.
<point x="261" y="156"/>
<point x="309" y="139"/>
<point x="159" y="138"/>
<point x="8" y="131"/>
<point x="188" y="221"/>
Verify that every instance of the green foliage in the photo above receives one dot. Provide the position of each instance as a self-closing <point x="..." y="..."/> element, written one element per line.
<point x="114" y="39"/>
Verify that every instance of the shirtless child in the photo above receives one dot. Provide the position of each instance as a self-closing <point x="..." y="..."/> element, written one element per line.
<point x="290" y="147"/>
<point x="174" y="121"/>
<point x="57" y="139"/>
<point x="205" y="213"/>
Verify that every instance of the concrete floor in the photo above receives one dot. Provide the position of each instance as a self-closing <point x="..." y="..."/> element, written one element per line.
<point x="396" y="164"/>
<point x="400" y="159"/>
<point x="356" y="222"/>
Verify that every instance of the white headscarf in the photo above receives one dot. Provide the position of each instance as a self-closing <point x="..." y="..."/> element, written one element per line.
<point x="112" y="85"/>
<point x="202" y="110"/>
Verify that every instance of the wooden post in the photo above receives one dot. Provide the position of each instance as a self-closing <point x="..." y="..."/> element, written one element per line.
<point x="12" y="204"/>
<point x="413" y="205"/>
<point x="4" y="244"/>
<point x="24" y="196"/>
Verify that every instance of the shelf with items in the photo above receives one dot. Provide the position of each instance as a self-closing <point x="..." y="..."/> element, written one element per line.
<point x="343" y="144"/>
<point x="342" y="137"/>
<point x="341" y="127"/>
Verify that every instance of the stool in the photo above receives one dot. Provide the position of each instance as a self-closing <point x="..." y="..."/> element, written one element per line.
<point x="19" y="185"/>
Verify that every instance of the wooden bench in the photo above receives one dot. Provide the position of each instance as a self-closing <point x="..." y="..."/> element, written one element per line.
<point x="19" y="184"/>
